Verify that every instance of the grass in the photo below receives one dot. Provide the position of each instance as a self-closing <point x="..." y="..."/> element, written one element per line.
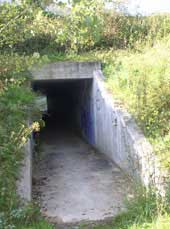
<point x="145" y="211"/>
<point x="124" y="222"/>
<point x="38" y="225"/>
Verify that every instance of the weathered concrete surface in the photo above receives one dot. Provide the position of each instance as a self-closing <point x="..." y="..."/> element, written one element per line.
<point x="116" y="134"/>
<point x="24" y="184"/>
<point x="65" y="70"/>
<point x="75" y="183"/>
<point x="112" y="130"/>
<point x="125" y="143"/>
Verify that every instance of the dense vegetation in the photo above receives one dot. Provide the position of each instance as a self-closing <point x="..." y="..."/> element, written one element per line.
<point x="134" y="51"/>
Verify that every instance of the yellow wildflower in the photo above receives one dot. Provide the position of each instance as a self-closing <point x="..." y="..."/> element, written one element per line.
<point x="36" y="126"/>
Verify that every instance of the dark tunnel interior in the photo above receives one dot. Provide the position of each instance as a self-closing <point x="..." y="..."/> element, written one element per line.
<point x="63" y="100"/>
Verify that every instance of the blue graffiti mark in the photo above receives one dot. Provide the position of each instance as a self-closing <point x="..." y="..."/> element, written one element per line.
<point x="87" y="123"/>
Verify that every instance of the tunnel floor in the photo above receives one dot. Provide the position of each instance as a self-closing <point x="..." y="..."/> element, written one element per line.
<point x="73" y="182"/>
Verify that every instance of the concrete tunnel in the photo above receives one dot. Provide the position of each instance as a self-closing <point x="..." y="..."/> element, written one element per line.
<point x="68" y="87"/>
<point x="90" y="150"/>
<point x="76" y="178"/>
<point x="64" y="104"/>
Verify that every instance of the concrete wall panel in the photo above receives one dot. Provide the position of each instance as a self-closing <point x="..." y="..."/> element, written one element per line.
<point x="118" y="136"/>
<point x="24" y="184"/>
<point x="65" y="70"/>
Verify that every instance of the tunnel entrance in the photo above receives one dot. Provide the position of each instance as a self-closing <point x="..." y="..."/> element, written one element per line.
<point x="63" y="101"/>
<point x="71" y="180"/>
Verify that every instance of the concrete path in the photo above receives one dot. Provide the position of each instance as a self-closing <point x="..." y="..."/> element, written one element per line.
<point x="74" y="183"/>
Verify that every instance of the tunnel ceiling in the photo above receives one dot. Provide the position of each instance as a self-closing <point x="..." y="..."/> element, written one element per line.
<point x="65" y="70"/>
<point x="58" y="86"/>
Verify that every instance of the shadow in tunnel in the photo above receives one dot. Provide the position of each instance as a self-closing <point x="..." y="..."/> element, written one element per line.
<point x="63" y="102"/>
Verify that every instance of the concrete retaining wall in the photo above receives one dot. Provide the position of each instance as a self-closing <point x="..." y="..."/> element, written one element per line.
<point x="24" y="184"/>
<point x="114" y="132"/>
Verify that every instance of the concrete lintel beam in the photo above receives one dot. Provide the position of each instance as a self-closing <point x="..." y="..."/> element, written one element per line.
<point x="65" y="70"/>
